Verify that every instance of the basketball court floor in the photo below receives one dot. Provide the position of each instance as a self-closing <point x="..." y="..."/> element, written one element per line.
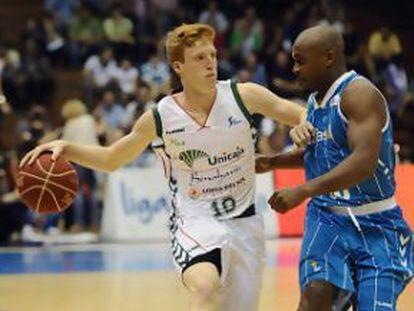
<point x="129" y="277"/>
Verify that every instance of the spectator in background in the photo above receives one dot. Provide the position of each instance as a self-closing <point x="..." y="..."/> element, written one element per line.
<point x="34" y="31"/>
<point x="119" y="32"/>
<point x="14" y="80"/>
<point x="243" y="76"/>
<point x="38" y="73"/>
<point x="136" y="107"/>
<point x="85" y="33"/>
<point x="110" y="111"/>
<point x="356" y="52"/>
<point x="216" y="19"/>
<point x="5" y="108"/>
<point x="256" y="69"/>
<point x="2" y="61"/>
<point x="99" y="72"/>
<point x="54" y="41"/>
<point x="291" y="28"/>
<point x="247" y="36"/>
<point x="280" y="76"/>
<point x="156" y="73"/>
<point x="275" y="43"/>
<point x="147" y="30"/>
<point x="225" y="68"/>
<point x="127" y="77"/>
<point x="168" y="14"/>
<point x="63" y="9"/>
<point x="80" y="127"/>
<point x="332" y="15"/>
<point x="34" y="128"/>
<point x="396" y="87"/>
<point x="12" y="210"/>
<point x="383" y="45"/>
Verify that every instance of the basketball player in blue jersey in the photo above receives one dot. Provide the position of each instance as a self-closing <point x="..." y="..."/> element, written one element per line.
<point x="356" y="240"/>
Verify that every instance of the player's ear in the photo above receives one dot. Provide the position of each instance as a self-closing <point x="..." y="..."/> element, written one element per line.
<point x="330" y="55"/>
<point x="178" y="67"/>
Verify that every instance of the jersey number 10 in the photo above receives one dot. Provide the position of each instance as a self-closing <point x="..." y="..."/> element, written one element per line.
<point x="226" y="206"/>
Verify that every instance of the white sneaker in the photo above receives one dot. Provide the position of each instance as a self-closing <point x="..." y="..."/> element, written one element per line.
<point x="30" y="235"/>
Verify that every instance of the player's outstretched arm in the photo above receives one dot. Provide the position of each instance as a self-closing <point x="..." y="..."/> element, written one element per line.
<point x="100" y="158"/>
<point x="258" y="99"/>
<point x="290" y="159"/>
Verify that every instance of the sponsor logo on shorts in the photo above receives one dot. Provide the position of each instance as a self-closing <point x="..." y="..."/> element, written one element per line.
<point x="384" y="304"/>
<point x="402" y="249"/>
<point x="315" y="266"/>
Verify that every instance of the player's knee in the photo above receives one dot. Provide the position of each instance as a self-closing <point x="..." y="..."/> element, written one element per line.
<point x="317" y="296"/>
<point x="204" y="290"/>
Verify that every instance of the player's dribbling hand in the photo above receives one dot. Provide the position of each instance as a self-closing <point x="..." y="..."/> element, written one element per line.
<point x="56" y="147"/>
<point x="302" y="134"/>
<point x="286" y="199"/>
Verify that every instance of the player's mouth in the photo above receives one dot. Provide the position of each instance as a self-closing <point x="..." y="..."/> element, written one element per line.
<point x="300" y="81"/>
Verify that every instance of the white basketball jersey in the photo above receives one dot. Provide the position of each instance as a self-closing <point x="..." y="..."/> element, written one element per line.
<point x="210" y="167"/>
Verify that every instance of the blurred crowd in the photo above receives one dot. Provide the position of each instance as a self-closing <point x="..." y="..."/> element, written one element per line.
<point x="118" y="47"/>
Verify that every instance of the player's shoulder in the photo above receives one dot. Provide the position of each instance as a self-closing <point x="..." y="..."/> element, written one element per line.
<point x="360" y="90"/>
<point x="362" y="95"/>
<point x="225" y="84"/>
<point x="165" y="101"/>
<point x="361" y="86"/>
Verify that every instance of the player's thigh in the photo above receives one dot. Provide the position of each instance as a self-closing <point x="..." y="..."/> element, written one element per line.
<point x="324" y="256"/>
<point x="196" y="241"/>
<point x="243" y="282"/>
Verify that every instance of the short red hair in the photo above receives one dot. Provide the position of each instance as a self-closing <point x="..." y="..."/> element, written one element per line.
<point x="185" y="36"/>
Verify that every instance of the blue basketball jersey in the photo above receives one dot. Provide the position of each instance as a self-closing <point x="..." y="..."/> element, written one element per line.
<point x="330" y="148"/>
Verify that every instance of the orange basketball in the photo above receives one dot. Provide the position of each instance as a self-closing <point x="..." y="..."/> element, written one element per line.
<point x="47" y="186"/>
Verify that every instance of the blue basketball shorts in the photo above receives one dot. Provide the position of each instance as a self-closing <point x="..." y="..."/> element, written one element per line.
<point x="374" y="262"/>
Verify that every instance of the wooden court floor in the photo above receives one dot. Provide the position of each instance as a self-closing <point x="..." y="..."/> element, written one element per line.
<point x="123" y="286"/>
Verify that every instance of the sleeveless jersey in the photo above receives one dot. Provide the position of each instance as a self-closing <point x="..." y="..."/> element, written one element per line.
<point x="210" y="167"/>
<point x="330" y="148"/>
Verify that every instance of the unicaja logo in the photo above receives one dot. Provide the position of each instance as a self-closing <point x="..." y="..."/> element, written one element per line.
<point x="225" y="157"/>
<point x="190" y="156"/>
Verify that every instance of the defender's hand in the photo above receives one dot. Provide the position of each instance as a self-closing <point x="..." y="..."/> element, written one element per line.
<point x="286" y="199"/>
<point x="263" y="165"/>
<point x="302" y="134"/>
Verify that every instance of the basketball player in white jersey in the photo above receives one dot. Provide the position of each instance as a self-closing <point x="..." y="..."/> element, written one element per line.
<point x="205" y="138"/>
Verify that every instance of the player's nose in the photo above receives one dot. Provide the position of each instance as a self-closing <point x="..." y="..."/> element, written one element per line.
<point x="296" y="70"/>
